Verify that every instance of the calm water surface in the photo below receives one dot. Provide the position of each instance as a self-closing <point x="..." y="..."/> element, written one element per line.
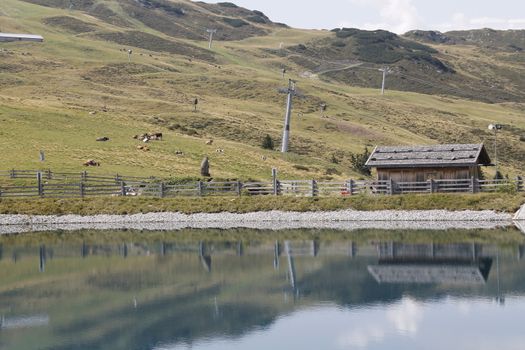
<point x="273" y="294"/>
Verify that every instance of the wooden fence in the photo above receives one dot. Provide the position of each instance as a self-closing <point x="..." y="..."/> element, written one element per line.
<point x="83" y="176"/>
<point x="63" y="185"/>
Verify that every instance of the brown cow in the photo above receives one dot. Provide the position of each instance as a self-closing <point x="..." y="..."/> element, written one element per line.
<point x="91" y="162"/>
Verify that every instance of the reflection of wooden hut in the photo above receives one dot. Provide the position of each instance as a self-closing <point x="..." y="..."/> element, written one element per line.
<point x="459" y="264"/>
<point x="422" y="163"/>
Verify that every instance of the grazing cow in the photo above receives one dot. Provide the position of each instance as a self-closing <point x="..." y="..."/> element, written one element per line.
<point x="219" y="150"/>
<point x="179" y="153"/>
<point x="263" y="157"/>
<point x="91" y="162"/>
<point x="143" y="148"/>
<point x="103" y="139"/>
<point x="209" y="142"/>
<point x="146" y="137"/>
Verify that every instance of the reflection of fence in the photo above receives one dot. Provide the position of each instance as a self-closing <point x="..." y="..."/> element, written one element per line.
<point x="62" y="185"/>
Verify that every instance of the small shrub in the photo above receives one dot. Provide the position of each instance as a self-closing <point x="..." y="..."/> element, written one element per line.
<point x="268" y="142"/>
<point x="358" y="161"/>
<point x="334" y="159"/>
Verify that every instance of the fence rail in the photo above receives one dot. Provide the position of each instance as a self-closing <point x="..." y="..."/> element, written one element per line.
<point x="67" y="185"/>
<point x="71" y="177"/>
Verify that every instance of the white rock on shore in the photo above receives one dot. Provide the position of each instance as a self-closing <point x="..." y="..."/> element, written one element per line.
<point x="345" y="219"/>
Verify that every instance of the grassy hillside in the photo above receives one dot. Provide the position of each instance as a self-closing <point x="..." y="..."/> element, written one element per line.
<point x="59" y="96"/>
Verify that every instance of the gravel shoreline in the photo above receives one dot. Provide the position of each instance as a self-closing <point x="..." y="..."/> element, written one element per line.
<point x="344" y="219"/>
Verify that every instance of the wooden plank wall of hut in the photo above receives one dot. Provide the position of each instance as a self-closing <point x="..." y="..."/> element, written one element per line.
<point x="424" y="174"/>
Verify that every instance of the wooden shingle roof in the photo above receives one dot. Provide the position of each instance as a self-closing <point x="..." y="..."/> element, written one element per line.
<point x="450" y="155"/>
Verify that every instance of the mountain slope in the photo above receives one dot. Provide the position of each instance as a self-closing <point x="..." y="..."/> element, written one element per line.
<point x="78" y="85"/>
<point x="182" y="19"/>
<point x="432" y="66"/>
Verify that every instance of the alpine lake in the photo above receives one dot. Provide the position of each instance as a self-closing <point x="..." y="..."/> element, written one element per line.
<point x="248" y="289"/>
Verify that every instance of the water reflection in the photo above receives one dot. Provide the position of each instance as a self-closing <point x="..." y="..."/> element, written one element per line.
<point x="258" y="294"/>
<point x="460" y="264"/>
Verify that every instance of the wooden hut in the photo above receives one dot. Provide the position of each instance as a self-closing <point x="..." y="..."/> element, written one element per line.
<point x="422" y="163"/>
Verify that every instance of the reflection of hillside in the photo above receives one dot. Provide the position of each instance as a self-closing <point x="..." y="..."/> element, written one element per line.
<point x="91" y="296"/>
<point x="177" y="318"/>
<point x="137" y="295"/>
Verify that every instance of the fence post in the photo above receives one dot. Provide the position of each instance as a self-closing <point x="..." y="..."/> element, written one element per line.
<point x="162" y="190"/>
<point x="274" y="182"/>
<point x="391" y="187"/>
<point x="519" y="183"/>
<point x="12" y="174"/>
<point x="82" y="190"/>
<point x="200" y="190"/>
<point x="314" y="188"/>
<point x="432" y="185"/>
<point x="473" y="185"/>
<point x="39" y="184"/>
<point x="117" y="178"/>
<point x="83" y="176"/>
<point x="350" y="187"/>
<point x="49" y="174"/>
<point x="122" y="189"/>
<point x="239" y="188"/>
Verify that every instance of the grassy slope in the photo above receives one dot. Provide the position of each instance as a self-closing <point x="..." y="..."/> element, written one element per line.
<point x="45" y="98"/>
<point x="500" y="202"/>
